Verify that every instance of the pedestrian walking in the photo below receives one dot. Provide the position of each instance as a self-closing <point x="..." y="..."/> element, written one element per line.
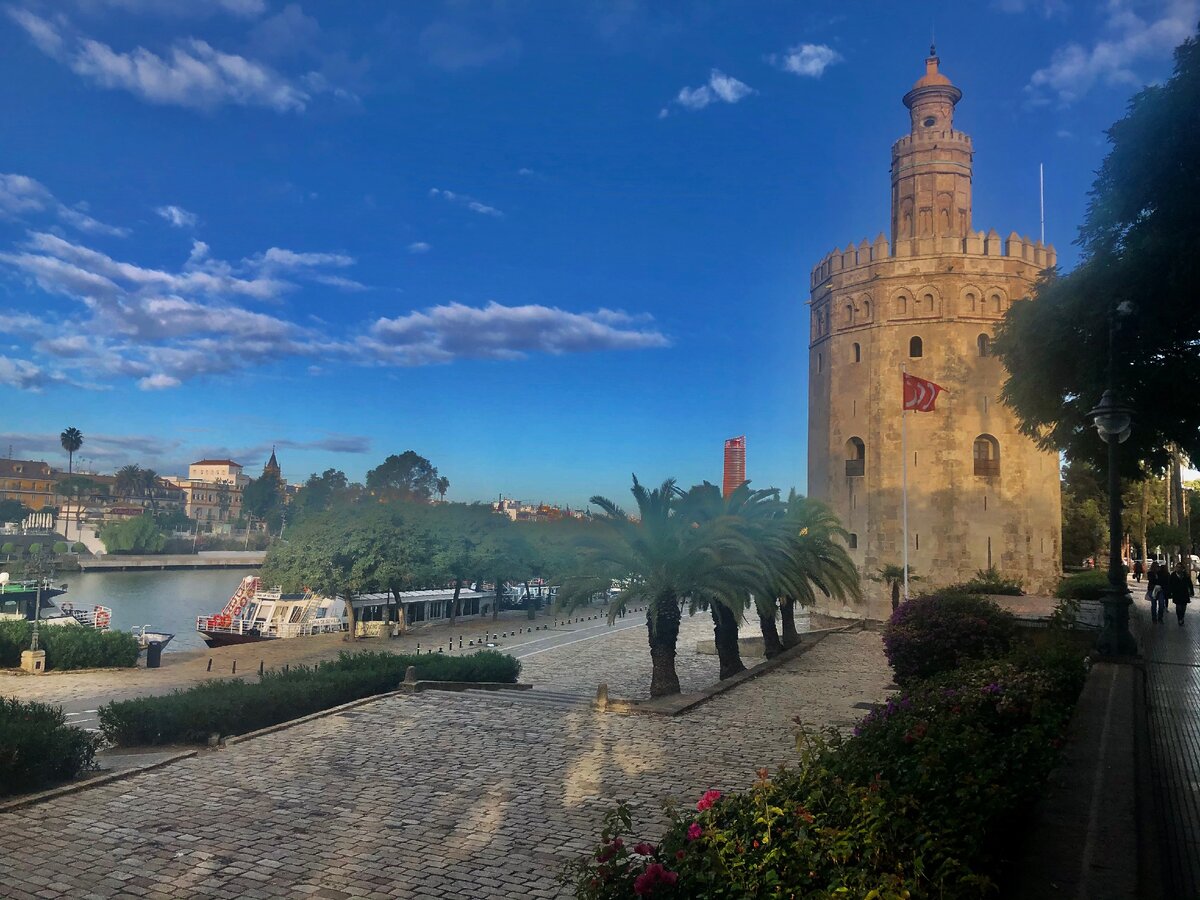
<point x="1181" y="589"/>
<point x="1156" y="591"/>
<point x="1138" y="570"/>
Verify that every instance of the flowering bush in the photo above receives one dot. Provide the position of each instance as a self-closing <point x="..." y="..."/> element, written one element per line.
<point x="916" y="803"/>
<point x="933" y="634"/>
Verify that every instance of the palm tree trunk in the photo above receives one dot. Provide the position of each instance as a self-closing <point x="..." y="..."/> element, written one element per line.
<point x="772" y="646"/>
<point x="787" y="614"/>
<point x="530" y="611"/>
<point x="662" y="628"/>
<point x="499" y="594"/>
<point x="725" y="635"/>
<point x="896" y="594"/>
<point x="351" y="621"/>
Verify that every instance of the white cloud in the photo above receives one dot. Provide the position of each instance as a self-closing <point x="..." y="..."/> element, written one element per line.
<point x="1130" y="39"/>
<point x="418" y="247"/>
<point x="21" y="195"/>
<point x="177" y="216"/>
<point x="1048" y="8"/>
<point x="22" y="374"/>
<point x="720" y="88"/>
<point x="158" y="382"/>
<point x="242" y="8"/>
<point x="289" y="259"/>
<point x="469" y="202"/>
<point x="193" y="74"/>
<point x="810" y="60"/>
<point x="455" y="331"/>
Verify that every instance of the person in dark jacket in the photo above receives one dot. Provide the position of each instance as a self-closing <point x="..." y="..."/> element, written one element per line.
<point x="1138" y="570"/>
<point x="1156" y="591"/>
<point x="1181" y="589"/>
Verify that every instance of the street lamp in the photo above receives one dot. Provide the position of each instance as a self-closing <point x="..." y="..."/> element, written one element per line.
<point x="1112" y="420"/>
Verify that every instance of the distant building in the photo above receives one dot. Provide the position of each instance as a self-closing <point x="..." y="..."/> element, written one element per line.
<point x="213" y="491"/>
<point x="735" y="465"/>
<point x="272" y="467"/>
<point x="27" y="481"/>
<point x="517" y="511"/>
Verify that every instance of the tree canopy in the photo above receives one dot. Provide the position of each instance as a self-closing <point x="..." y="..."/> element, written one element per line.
<point x="137" y="535"/>
<point x="1135" y="286"/>
<point x="408" y="476"/>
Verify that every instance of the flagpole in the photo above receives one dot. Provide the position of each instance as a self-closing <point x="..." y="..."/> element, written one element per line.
<point x="904" y="471"/>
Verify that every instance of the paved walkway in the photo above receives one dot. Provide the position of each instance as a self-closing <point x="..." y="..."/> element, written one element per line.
<point x="1172" y="657"/>
<point x="432" y="795"/>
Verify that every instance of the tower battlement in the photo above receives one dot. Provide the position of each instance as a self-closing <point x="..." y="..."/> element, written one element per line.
<point x="926" y="139"/>
<point x="977" y="243"/>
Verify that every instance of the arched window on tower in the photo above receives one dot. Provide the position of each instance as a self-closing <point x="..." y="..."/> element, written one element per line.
<point x="856" y="457"/>
<point x="820" y="362"/>
<point x="866" y="310"/>
<point x="927" y="305"/>
<point x="916" y="347"/>
<point x="970" y="299"/>
<point x="857" y="352"/>
<point x="987" y="456"/>
<point x="984" y="343"/>
<point x="901" y="304"/>
<point x="852" y="541"/>
<point x="997" y="304"/>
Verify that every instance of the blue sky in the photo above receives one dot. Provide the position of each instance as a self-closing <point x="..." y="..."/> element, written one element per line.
<point x="545" y="244"/>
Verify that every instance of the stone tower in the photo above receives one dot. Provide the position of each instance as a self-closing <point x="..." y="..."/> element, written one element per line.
<point x="979" y="493"/>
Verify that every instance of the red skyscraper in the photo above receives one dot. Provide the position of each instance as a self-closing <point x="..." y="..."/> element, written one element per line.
<point x="735" y="465"/>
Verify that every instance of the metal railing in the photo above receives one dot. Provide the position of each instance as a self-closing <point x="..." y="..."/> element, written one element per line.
<point x="856" y="467"/>
<point x="988" y="468"/>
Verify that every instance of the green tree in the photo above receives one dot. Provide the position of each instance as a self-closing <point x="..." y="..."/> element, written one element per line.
<point x="263" y="499"/>
<point x="408" y="476"/>
<point x="137" y="535"/>
<point x="1133" y="291"/>
<point x="129" y="482"/>
<point x="71" y="440"/>
<point x="323" y="492"/>
<point x="13" y="511"/>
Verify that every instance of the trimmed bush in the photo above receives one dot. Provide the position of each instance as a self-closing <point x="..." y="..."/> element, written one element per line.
<point x="920" y="802"/>
<point x="61" y="547"/>
<point x="8" y="548"/>
<point x="936" y="633"/>
<point x="68" y="647"/>
<point x="79" y="547"/>
<point x="237" y="706"/>
<point x="38" y="748"/>
<point x="35" y="549"/>
<point x="1088" y="585"/>
<point x="989" y="581"/>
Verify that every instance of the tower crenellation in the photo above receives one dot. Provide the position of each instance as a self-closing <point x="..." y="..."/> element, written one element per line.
<point x="926" y="300"/>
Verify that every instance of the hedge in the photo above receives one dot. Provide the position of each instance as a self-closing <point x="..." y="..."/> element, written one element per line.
<point x="237" y="706"/>
<point x="922" y="800"/>
<point x="1089" y="585"/>
<point x="61" y="547"/>
<point x="68" y="646"/>
<point x="38" y="748"/>
<point x="937" y="633"/>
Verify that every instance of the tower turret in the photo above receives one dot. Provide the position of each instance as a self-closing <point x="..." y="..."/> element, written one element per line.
<point x="931" y="166"/>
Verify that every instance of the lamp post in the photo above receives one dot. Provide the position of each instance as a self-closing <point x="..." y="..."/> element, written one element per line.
<point x="1112" y="420"/>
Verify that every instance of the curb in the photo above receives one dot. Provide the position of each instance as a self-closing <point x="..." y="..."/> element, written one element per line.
<point x="674" y="706"/>
<point x="75" y="787"/>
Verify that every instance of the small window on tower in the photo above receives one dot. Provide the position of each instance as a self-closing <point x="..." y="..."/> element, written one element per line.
<point x="916" y="348"/>
<point x="930" y="121"/>
<point x="857" y="353"/>
<point x="852" y="541"/>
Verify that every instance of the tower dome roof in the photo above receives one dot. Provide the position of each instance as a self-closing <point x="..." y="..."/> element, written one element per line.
<point x="933" y="81"/>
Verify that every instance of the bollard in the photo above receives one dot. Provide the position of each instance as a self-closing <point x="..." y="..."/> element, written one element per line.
<point x="602" y="696"/>
<point x="418" y="648"/>
<point x="439" y="649"/>
<point x="410" y="675"/>
<point x="235" y="667"/>
<point x="210" y="664"/>
<point x="460" y="642"/>
<point x="260" y="668"/>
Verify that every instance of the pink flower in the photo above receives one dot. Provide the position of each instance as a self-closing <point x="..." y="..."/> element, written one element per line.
<point x="709" y="798"/>
<point x="644" y="849"/>
<point x="655" y="874"/>
<point x="694" y="831"/>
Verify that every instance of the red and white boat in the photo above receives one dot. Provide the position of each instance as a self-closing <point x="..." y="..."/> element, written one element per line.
<point x="257" y="614"/>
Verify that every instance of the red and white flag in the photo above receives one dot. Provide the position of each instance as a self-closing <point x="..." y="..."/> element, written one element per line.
<point x="920" y="395"/>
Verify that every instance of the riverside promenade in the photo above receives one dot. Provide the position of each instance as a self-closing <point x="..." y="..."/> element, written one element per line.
<point x="434" y="795"/>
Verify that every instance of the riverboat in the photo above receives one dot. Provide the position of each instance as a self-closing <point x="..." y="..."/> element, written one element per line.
<point x="19" y="600"/>
<point x="255" y="614"/>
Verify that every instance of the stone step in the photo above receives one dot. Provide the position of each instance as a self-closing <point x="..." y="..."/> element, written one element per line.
<point x="535" y="697"/>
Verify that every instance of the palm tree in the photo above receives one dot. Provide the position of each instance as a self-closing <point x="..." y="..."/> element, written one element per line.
<point x="667" y="558"/>
<point x="893" y="576"/>
<point x="819" y="561"/>
<point x="754" y="517"/>
<point x="72" y="440"/>
<point x="442" y="485"/>
<point x="129" y="482"/>
<point x="149" y="488"/>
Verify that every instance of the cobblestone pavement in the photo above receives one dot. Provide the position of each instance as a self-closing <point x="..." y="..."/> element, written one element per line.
<point x="425" y="796"/>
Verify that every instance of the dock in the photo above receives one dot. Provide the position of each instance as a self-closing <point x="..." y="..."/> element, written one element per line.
<point x="212" y="559"/>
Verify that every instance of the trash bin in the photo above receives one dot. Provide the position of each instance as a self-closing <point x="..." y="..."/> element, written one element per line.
<point x="154" y="654"/>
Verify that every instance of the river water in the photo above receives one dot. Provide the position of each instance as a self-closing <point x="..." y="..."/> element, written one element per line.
<point x="167" y="601"/>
